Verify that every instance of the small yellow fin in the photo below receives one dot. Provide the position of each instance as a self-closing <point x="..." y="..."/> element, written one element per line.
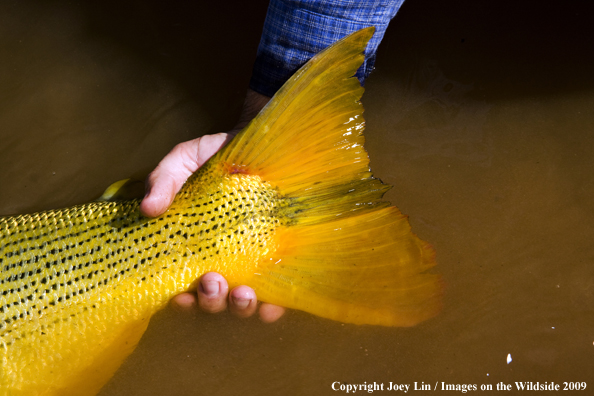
<point x="79" y="354"/>
<point x="90" y="380"/>
<point x="123" y="190"/>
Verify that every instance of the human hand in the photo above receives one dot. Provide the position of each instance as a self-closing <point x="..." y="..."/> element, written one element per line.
<point x="213" y="296"/>
<point x="162" y="186"/>
<point x="185" y="158"/>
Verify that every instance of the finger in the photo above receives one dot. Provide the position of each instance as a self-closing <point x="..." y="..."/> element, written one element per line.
<point x="271" y="313"/>
<point x="168" y="177"/>
<point x="210" y="144"/>
<point x="242" y="301"/>
<point x="184" y="302"/>
<point x="175" y="168"/>
<point x="212" y="293"/>
<point x="160" y="193"/>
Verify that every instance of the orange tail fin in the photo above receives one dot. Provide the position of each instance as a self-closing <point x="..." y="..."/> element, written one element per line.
<point x="345" y="254"/>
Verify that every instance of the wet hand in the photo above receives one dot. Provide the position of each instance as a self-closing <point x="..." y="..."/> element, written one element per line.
<point x="162" y="186"/>
<point x="213" y="296"/>
<point x="185" y="158"/>
<point x="173" y="171"/>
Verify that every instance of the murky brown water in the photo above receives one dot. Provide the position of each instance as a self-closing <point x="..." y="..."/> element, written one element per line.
<point x="480" y="114"/>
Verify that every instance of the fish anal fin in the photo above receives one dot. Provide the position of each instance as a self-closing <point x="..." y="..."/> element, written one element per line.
<point x="76" y="356"/>
<point x="90" y="380"/>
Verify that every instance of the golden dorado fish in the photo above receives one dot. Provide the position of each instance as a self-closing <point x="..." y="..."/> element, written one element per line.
<point x="288" y="207"/>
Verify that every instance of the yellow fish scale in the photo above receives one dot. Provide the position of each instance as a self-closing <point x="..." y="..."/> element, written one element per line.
<point x="79" y="273"/>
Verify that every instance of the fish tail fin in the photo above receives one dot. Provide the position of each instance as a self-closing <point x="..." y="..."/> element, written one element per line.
<point x="342" y="254"/>
<point x="363" y="269"/>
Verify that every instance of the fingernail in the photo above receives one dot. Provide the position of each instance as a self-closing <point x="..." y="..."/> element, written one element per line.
<point x="241" y="303"/>
<point x="210" y="288"/>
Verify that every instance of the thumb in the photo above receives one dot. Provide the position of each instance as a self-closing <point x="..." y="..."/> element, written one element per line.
<point x="175" y="168"/>
<point x="168" y="178"/>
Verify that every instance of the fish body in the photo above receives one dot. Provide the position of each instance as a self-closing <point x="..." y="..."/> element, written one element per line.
<point x="72" y="277"/>
<point x="289" y="208"/>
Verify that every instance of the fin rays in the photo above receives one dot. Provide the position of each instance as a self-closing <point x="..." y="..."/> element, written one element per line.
<point x="344" y="254"/>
